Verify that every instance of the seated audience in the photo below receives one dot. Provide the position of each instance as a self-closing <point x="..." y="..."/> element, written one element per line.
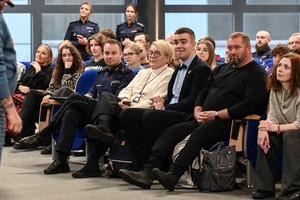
<point x="108" y="33"/>
<point x="37" y="77"/>
<point x="147" y="83"/>
<point x="294" y="41"/>
<point x="263" y="51"/>
<point x="233" y="90"/>
<point x="95" y="47"/>
<point x="218" y="58"/>
<point x="131" y="55"/>
<point x="280" y="132"/>
<point x="205" y="50"/>
<point x="170" y="39"/>
<point x="77" y="110"/>
<point x="68" y="68"/>
<point x="226" y="60"/>
<point x="142" y="37"/>
<point x="144" y="126"/>
<point x="144" y="53"/>
<point x="277" y="52"/>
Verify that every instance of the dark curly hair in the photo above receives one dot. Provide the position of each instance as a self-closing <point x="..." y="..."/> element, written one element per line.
<point x="77" y="65"/>
<point x="275" y="85"/>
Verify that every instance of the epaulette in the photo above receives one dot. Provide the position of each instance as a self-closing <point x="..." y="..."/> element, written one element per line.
<point x="140" y="24"/>
<point x="93" y="22"/>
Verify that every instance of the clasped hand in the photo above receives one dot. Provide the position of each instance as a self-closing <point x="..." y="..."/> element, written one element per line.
<point x="269" y="126"/>
<point x="157" y="102"/>
<point x="206" y="116"/>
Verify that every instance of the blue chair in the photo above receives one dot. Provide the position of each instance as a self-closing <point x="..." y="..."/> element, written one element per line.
<point x="83" y="85"/>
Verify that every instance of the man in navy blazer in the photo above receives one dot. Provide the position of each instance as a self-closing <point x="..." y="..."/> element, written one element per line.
<point x="144" y="126"/>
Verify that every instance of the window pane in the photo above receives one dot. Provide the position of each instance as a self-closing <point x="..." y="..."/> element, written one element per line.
<point x="280" y="25"/>
<point x="272" y="2"/>
<point x="20" y="2"/>
<point x="79" y="2"/>
<point x="203" y="24"/>
<point x="60" y="23"/>
<point x="20" y="29"/>
<point x="197" y="2"/>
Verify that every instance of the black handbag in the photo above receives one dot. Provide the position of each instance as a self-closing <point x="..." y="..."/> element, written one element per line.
<point x="217" y="170"/>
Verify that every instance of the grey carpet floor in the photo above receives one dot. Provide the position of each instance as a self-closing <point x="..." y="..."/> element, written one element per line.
<point x="22" y="178"/>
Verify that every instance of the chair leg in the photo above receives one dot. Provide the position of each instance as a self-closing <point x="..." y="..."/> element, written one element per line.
<point x="250" y="174"/>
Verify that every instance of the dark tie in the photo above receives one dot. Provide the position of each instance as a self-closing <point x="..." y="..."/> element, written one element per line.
<point x="182" y="66"/>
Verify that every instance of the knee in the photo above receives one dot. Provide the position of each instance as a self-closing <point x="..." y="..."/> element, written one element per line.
<point x="290" y="136"/>
<point x="124" y="115"/>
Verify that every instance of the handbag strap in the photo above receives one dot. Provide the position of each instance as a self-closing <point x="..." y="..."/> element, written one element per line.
<point x="219" y="144"/>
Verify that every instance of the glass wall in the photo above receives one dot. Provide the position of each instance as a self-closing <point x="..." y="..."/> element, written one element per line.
<point x="203" y="24"/>
<point x="20" y="29"/>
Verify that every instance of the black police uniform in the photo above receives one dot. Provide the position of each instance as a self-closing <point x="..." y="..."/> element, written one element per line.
<point x="125" y="31"/>
<point x="85" y="29"/>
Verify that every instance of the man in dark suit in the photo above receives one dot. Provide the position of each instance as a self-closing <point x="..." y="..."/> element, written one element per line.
<point x="144" y="126"/>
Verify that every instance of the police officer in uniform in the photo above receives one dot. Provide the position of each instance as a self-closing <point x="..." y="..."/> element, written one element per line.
<point x="79" y="31"/>
<point x="126" y="31"/>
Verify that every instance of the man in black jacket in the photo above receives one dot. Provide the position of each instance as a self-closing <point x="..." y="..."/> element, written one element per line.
<point x="144" y="126"/>
<point x="233" y="90"/>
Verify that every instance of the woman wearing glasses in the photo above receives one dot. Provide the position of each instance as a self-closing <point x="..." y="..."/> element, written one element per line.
<point x="148" y="83"/>
<point x="131" y="56"/>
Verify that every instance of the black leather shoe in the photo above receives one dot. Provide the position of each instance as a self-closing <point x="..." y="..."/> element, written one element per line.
<point x="291" y="196"/>
<point x="141" y="179"/>
<point x="85" y="173"/>
<point x="167" y="179"/>
<point x="34" y="141"/>
<point x="19" y="145"/>
<point x="47" y="150"/>
<point x="262" y="194"/>
<point x="95" y="132"/>
<point x="57" y="167"/>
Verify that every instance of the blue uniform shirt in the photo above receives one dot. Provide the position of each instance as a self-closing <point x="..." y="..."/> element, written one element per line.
<point x="262" y="56"/>
<point x="78" y="28"/>
<point x="125" y="31"/>
<point x="112" y="81"/>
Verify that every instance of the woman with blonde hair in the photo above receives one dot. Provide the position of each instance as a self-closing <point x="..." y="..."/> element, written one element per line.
<point x="79" y="31"/>
<point x="37" y="77"/>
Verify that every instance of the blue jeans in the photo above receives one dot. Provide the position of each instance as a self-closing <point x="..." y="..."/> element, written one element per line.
<point x="2" y="129"/>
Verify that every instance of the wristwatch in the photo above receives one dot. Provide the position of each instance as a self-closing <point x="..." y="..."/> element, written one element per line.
<point x="217" y="117"/>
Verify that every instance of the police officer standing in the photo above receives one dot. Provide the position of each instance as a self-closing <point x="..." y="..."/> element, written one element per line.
<point x="126" y="31"/>
<point x="79" y="31"/>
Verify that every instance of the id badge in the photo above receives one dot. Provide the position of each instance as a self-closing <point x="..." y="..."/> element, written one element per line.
<point x="137" y="98"/>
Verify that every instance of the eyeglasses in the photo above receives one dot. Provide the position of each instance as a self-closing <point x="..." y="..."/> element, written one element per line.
<point x="156" y="54"/>
<point x="128" y="55"/>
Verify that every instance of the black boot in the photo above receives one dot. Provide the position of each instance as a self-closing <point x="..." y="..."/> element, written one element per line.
<point x="141" y="179"/>
<point x="101" y="129"/>
<point x="167" y="179"/>
<point x="91" y="168"/>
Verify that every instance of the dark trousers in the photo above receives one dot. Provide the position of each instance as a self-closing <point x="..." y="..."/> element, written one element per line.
<point x="265" y="171"/>
<point x="75" y="113"/>
<point x="201" y="135"/>
<point x="30" y="104"/>
<point x="144" y="126"/>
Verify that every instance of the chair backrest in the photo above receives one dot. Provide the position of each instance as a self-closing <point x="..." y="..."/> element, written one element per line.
<point x="86" y="80"/>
